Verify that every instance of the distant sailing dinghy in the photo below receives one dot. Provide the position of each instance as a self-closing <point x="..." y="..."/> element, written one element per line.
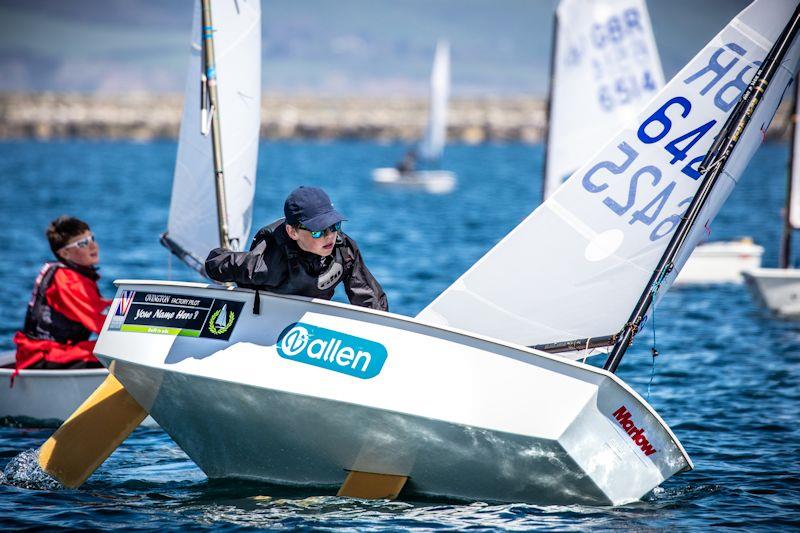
<point x="778" y="289"/>
<point x="606" y="49"/>
<point x="429" y="151"/>
<point x="716" y="262"/>
<point x="313" y="393"/>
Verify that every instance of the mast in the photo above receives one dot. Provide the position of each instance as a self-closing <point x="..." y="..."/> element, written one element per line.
<point x="211" y="83"/>
<point x="712" y="166"/>
<point x="786" y="238"/>
<point x="549" y="110"/>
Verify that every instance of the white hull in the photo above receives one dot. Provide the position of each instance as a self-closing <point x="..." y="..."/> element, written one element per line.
<point x="433" y="181"/>
<point x="777" y="289"/>
<point x="720" y="262"/>
<point x="45" y="398"/>
<point x="463" y="416"/>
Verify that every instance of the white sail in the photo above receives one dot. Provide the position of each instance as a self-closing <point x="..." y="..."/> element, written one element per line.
<point x="575" y="268"/>
<point x="432" y="144"/>
<point x="794" y="202"/>
<point x="605" y="69"/>
<point x="193" y="223"/>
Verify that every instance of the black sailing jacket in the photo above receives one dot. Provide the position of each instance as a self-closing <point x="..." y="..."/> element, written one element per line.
<point x="275" y="263"/>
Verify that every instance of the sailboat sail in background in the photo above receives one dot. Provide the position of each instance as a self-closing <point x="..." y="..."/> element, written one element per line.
<point x="432" y="145"/>
<point x="194" y="220"/>
<point x="604" y="69"/>
<point x="569" y="275"/>
<point x="430" y="149"/>
<point x="778" y="289"/>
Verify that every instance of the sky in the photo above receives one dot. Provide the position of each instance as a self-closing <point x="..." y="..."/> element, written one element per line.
<point x="322" y="47"/>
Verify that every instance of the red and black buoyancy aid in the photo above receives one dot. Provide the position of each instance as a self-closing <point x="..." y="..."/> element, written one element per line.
<point x="42" y="322"/>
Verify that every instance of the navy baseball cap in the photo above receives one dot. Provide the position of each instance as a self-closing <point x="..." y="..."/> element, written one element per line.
<point x="312" y="208"/>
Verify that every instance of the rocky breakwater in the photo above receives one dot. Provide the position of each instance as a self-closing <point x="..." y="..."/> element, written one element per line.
<point x="150" y="116"/>
<point x="143" y="117"/>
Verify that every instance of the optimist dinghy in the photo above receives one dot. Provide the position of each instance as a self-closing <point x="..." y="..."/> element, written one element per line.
<point x="717" y="262"/>
<point x="606" y="49"/>
<point x="315" y="393"/>
<point x="45" y="398"/>
<point x="778" y="289"/>
<point x="308" y="390"/>
<point x="430" y="149"/>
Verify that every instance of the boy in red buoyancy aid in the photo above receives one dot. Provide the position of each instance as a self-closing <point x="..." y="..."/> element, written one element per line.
<point x="66" y="306"/>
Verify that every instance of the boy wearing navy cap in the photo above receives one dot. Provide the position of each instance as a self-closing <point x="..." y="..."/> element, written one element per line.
<point x="306" y="254"/>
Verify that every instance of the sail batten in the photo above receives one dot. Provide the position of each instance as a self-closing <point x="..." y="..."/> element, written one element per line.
<point x="193" y="224"/>
<point x="604" y="68"/>
<point x="585" y="279"/>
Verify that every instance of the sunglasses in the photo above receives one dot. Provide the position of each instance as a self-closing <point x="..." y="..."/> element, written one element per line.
<point x="318" y="234"/>
<point x="83" y="243"/>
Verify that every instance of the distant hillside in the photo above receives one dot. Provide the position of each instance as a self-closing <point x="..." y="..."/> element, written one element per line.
<point x="373" y="47"/>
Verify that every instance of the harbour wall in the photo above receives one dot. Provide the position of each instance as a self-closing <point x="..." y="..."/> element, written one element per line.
<point x="144" y="117"/>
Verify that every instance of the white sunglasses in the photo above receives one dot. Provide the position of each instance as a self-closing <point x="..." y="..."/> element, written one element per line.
<point x="83" y="243"/>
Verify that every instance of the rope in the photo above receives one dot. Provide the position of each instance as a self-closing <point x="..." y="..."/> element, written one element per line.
<point x="654" y="351"/>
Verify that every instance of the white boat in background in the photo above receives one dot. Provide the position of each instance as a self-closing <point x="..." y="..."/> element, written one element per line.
<point x="299" y="392"/>
<point x="433" y="181"/>
<point x="720" y="262"/>
<point x="597" y="85"/>
<point x="429" y="151"/>
<point x="778" y="289"/>
<point x="45" y="398"/>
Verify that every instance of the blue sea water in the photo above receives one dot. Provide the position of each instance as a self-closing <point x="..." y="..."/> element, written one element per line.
<point x="726" y="380"/>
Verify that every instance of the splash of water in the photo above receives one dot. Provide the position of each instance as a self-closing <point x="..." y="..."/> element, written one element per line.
<point x="24" y="471"/>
